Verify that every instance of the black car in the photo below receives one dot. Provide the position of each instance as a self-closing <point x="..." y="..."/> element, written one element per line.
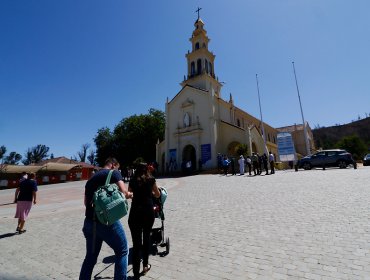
<point x="327" y="158"/>
<point x="366" y="161"/>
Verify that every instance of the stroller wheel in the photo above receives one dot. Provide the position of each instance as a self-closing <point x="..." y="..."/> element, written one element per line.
<point x="167" y="245"/>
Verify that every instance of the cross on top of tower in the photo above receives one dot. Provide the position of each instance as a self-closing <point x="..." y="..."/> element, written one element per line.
<point x="197" y="11"/>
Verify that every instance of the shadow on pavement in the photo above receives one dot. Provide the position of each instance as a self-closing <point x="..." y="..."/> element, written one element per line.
<point x="110" y="261"/>
<point x="12" y="278"/>
<point x="9" y="203"/>
<point x="7" y="235"/>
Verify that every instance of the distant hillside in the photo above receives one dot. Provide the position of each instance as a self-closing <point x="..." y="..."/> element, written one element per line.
<point x="327" y="137"/>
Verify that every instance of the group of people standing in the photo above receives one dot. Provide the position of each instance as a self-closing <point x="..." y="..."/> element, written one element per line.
<point x="256" y="162"/>
<point x="141" y="189"/>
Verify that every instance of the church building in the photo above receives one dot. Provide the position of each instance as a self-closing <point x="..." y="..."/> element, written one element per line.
<point x="200" y="124"/>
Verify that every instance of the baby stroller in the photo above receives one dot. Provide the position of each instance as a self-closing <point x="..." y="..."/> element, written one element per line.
<point x="157" y="234"/>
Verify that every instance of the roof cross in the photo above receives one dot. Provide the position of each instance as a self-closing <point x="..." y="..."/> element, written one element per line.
<point x="197" y="11"/>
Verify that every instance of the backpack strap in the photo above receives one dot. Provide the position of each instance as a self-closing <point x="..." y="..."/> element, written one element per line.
<point x="107" y="181"/>
<point x="109" y="176"/>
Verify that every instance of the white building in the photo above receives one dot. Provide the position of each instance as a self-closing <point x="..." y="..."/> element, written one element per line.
<point x="199" y="123"/>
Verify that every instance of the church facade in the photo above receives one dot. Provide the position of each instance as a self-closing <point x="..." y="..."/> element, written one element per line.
<point x="200" y="124"/>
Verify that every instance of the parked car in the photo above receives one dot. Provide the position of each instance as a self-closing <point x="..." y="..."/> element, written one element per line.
<point x="366" y="161"/>
<point x="328" y="158"/>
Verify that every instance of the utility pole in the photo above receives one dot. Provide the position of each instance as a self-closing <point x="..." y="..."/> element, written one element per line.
<point x="263" y="128"/>
<point x="304" y="123"/>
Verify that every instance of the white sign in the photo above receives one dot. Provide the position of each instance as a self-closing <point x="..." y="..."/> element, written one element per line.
<point x="286" y="148"/>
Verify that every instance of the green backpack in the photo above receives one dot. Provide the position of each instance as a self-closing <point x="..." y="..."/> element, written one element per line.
<point x="109" y="203"/>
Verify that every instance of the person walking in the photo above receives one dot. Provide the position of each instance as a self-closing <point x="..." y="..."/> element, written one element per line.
<point x="141" y="218"/>
<point x="95" y="232"/>
<point x="260" y="164"/>
<point x="265" y="165"/>
<point x="256" y="170"/>
<point x="225" y="165"/>
<point x="25" y="194"/>
<point x="232" y="163"/>
<point x="272" y="162"/>
<point x="219" y="162"/>
<point x="241" y="162"/>
<point x="249" y="164"/>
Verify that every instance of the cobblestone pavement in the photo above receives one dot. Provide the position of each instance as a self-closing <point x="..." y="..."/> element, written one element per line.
<point x="291" y="225"/>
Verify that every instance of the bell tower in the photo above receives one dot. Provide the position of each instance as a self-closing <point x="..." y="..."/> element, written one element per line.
<point x="201" y="73"/>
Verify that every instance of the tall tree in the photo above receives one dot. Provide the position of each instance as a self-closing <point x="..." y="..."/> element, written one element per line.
<point x="135" y="136"/>
<point x="13" y="158"/>
<point x="104" y="143"/>
<point x="2" y="151"/>
<point x="83" y="152"/>
<point x="353" y="144"/>
<point x="36" y="154"/>
<point x="92" y="157"/>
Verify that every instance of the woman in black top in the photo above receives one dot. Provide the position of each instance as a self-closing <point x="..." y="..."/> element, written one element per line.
<point x="24" y="196"/>
<point x="141" y="218"/>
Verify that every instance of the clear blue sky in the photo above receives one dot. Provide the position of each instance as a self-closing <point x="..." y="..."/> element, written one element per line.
<point x="68" y="68"/>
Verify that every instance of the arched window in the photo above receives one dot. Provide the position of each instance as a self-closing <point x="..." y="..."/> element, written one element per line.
<point x="192" y="69"/>
<point x="199" y="66"/>
<point x="268" y="136"/>
<point x="210" y="69"/>
<point x="206" y="64"/>
<point x="238" y="122"/>
<point x="197" y="46"/>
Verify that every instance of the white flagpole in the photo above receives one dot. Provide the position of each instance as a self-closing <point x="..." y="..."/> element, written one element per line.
<point x="304" y="123"/>
<point x="263" y="129"/>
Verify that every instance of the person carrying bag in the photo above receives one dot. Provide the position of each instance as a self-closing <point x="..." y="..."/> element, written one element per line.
<point x="110" y="230"/>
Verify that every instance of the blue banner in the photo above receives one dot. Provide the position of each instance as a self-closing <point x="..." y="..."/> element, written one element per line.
<point x="173" y="160"/>
<point x="205" y="152"/>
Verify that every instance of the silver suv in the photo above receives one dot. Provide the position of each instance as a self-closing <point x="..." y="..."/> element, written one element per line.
<point x="328" y="158"/>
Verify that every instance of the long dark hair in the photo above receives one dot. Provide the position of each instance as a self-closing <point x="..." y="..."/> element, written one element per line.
<point x="142" y="172"/>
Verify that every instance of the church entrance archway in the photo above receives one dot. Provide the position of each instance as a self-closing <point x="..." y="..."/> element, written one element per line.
<point x="232" y="149"/>
<point x="189" y="155"/>
<point x="254" y="148"/>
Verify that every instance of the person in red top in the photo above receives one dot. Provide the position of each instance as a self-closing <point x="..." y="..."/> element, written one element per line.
<point x="24" y="195"/>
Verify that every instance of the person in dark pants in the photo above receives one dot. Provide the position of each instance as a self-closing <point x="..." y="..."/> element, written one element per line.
<point x="233" y="172"/>
<point x="141" y="218"/>
<point x="219" y="163"/>
<point x="264" y="160"/>
<point x="225" y="165"/>
<point x="96" y="232"/>
<point x="255" y="163"/>
<point x="260" y="164"/>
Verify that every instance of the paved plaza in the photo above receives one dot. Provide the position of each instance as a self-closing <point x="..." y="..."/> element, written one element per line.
<point x="291" y="225"/>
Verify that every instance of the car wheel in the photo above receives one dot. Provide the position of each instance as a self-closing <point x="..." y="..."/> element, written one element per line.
<point x="306" y="166"/>
<point x="342" y="164"/>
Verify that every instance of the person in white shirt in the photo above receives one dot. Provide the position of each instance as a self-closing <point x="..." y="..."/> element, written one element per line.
<point x="272" y="162"/>
<point x="241" y="162"/>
